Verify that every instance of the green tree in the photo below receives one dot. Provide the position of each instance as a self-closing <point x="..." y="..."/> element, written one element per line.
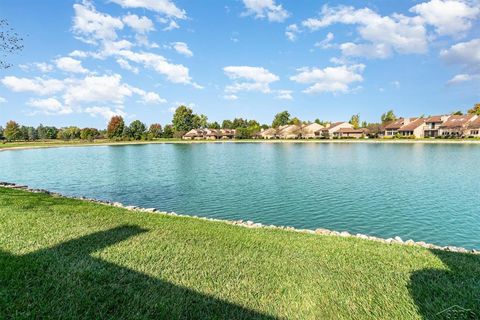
<point x="126" y="133"/>
<point x="183" y="119"/>
<point x="32" y="133"/>
<point x="1" y="133"/>
<point x="137" y="130"/>
<point x="475" y="109"/>
<point x="89" y="134"/>
<point x="281" y="119"/>
<point x="69" y="133"/>
<point x="243" y="133"/>
<point x="155" y="131"/>
<point x="12" y="131"/>
<point x="295" y="121"/>
<point x="115" y="127"/>
<point x="322" y="123"/>
<point x="355" y="121"/>
<point x="253" y="123"/>
<point x="24" y="133"/>
<point x="374" y="129"/>
<point x="213" y="125"/>
<point x="364" y="124"/>
<point x="227" y="124"/>
<point x="388" y="116"/>
<point x="46" y="132"/>
<point x="457" y="113"/>
<point x="168" y="131"/>
<point x="239" y="123"/>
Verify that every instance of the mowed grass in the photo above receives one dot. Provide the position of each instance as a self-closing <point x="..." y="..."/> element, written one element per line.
<point x="69" y="259"/>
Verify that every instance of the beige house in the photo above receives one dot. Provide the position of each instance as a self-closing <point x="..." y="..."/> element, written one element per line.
<point x="329" y="131"/>
<point x="351" y="133"/>
<point x="209" y="134"/>
<point x="270" y="133"/>
<point x="392" y="128"/>
<point x="308" y="131"/>
<point x="226" y="134"/>
<point x="194" y="134"/>
<point x="414" y="128"/>
<point x="432" y="125"/>
<point x="473" y="129"/>
<point x="457" y="126"/>
<point x="290" y="131"/>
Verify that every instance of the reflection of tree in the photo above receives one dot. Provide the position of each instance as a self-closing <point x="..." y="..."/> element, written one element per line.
<point x="66" y="281"/>
<point x="10" y="42"/>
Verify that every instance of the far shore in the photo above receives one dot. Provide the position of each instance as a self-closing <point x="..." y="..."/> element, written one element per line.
<point x="57" y="144"/>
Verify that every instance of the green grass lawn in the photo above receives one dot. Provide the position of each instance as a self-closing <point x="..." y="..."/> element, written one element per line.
<point x="65" y="258"/>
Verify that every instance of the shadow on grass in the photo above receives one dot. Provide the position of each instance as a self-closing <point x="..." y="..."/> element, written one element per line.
<point x="448" y="294"/>
<point x="65" y="281"/>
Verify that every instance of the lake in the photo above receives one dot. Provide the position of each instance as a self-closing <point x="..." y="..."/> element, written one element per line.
<point x="424" y="192"/>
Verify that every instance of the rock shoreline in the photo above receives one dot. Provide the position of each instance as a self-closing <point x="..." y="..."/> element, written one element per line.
<point x="251" y="224"/>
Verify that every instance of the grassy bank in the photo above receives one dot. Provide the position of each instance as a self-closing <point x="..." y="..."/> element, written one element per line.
<point x="65" y="258"/>
<point x="60" y="143"/>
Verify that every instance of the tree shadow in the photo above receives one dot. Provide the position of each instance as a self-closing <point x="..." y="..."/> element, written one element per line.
<point x="65" y="281"/>
<point x="448" y="294"/>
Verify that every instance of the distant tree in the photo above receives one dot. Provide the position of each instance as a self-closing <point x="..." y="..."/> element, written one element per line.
<point x="138" y="130"/>
<point x="355" y="121"/>
<point x="126" y="133"/>
<point x="457" y="113"/>
<point x="32" y="134"/>
<point x="253" y="123"/>
<point x="46" y="132"/>
<point x="69" y="133"/>
<point x="115" y="127"/>
<point x="213" y="125"/>
<point x="12" y="131"/>
<point x="264" y="126"/>
<point x="243" y="133"/>
<point x="388" y="116"/>
<point x="203" y="121"/>
<point x="281" y="119"/>
<point x="374" y="129"/>
<point x="295" y="121"/>
<point x="183" y="119"/>
<point x="89" y="134"/>
<point x="322" y="123"/>
<point x="1" y="133"/>
<point x="155" y="131"/>
<point x="227" y="124"/>
<point x="475" y="109"/>
<point x="168" y="131"/>
<point x="239" y="123"/>
<point x="364" y="124"/>
<point x="23" y="133"/>
<point x="10" y="42"/>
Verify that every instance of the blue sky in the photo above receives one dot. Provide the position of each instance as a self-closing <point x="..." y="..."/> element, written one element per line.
<point x="84" y="61"/>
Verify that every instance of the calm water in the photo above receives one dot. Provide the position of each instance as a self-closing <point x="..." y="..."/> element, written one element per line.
<point x="423" y="192"/>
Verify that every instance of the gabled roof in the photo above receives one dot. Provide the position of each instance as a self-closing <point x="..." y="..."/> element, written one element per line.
<point x="435" y="119"/>
<point x="397" y="124"/>
<point x="475" y="124"/>
<point x="351" y="130"/>
<point x="311" y="128"/>
<point x="457" y="121"/>
<point x="413" y="125"/>
<point x="289" y="129"/>
<point x="333" y="125"/>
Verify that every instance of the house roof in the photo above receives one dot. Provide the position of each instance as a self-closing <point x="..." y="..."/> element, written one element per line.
<point x="413" y="125"/>
<point x="194" y="133"/>
<point x="457" y="121"/>
<point x="434" y="119"/>
<point x="331" y="126"/>
<point x="289" y="129"/>
<point x="311" y="128"/>
<point x="268" y="132"/>
<point x="475" y="124"/>
<point x="351" y="130"/>
<point x="397" y="124"/>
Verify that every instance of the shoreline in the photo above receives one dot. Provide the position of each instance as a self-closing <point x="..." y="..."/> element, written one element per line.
<point x="41" y="145"/>
<point x="251" y="224"/>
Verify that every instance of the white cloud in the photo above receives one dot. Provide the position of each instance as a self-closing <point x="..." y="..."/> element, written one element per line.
<point x="330" y="79"/>
<point x="379" y="50"/>
<point x="139" y="24"/>
<point x="49" y="106"/>
<point x="396" y="32"/>
<point x="37" y="85"/>
<point x="230" y="97"/>
<point x="3" y="100"/>
<point x="326" y="43"/>
<point x="105" y="112"/>
<point x="182" y="48"/>
<point x="91" y="25"/>
<point x="449" y="17"/>
<point x="166" y="7"/>
<point x="284" y="94"/>
<point x="291" y="32"/>
<point x="70" y="65"/>
<point x="172" y="25"/>
<point x="124" y="64"/>
<point x="148" y="97"/>
<point x="466" y="55"/>
<point x="40" y="66"/>
<point x="463" y="77"/>
<point x="262" y="9"/>
<point x="251" y="79"/>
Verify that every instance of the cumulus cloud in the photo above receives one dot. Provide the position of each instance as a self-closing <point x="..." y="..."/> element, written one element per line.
<point x="70" y="65"/>
<point x="330" y="79"/>
<point x="49" y="106"/>
<point x="124" y="64"/>
<point x="291" y="32"/>
<point x="284" y="94"/>
<point x="182" y="48"/>
<point x="249" y="79"/>
<point x="3" y="100"/>
<point x="230" y="97"/>
<point x="36" y="85"/>
<point x="266" y="9"/>
<point x="139" y="24"/>
<point x="165" y="7"/>
<point x="105" y="112"/>
<point x="40" y="66"/>
<point x="326" y="43"/>
<point x="449" y="17"/>
<point x="467" y="55"/>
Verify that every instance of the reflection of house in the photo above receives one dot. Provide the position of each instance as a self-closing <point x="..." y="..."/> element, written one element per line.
<point x="456" y="126"/>
<point x="351" y="133"/>
<point x="328" y="132"/>
<point x="308" y="131"/>
<point x="432" y="125"/>
<point x="413" y="129"/>
<point x="473" y="129"/>
<point x="290" y="131"/>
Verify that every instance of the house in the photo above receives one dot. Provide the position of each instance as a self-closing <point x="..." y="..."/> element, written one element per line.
<point x="328" y="132"/>
<point x="414" y="128"/>
<point x="351" y="133"/>
<point x="473" y="129"/>
<point x="270" y="133"/>
<point x="194" y="134"/>
<point x="392" y="128"/>
<point x="291" y="131"/>
<point x="211" y="134"/>
<point x="308" y="131"/>
<point x="226" y="134"/>
<point x="456" y="126"/>
<point x="432" y="125"/>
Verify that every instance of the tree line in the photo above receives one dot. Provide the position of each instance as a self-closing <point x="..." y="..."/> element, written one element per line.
<point x="183" y="121"/>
